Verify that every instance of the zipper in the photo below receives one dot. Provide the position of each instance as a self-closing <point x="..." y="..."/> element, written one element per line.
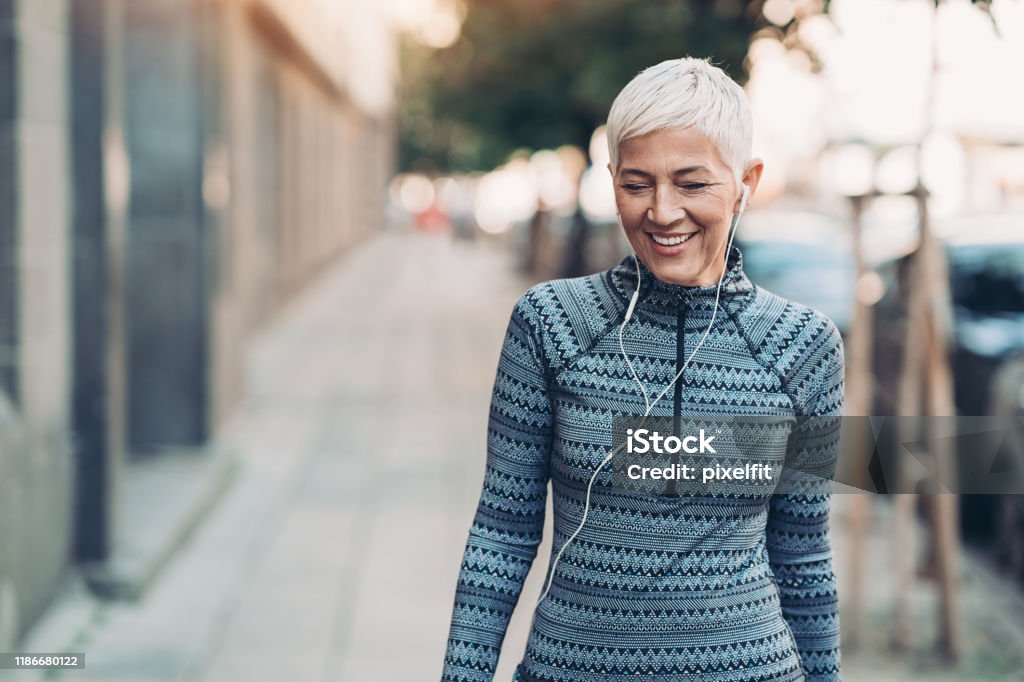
<point x="677" y="407"/>
<point x="677" y="397"/>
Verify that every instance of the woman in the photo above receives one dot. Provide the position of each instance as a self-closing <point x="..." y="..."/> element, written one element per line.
<point x="717" y="587"/>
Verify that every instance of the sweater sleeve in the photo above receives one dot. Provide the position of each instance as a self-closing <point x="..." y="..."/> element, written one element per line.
<point x="798" y="539"/>
<point x="509" y="519"/>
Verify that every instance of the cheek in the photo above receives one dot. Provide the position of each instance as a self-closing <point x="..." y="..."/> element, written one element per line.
<point x="708" y="207"/>
<point x="630" y="211"/>
<point x="711" y="214"/>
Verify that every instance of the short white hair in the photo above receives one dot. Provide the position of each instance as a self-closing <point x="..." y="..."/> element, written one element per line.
<point x="679" y="93"/>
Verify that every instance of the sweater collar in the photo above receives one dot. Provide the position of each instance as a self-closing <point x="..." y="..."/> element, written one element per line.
<point x="656" y="293"/>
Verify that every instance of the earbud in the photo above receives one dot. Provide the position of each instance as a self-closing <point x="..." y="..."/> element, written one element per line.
<point x="743" y="200"/>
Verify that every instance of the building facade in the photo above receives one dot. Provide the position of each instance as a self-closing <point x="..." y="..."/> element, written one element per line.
<point x="172" y="173"/>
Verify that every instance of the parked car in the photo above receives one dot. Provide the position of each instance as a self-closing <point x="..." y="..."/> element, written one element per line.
<point x="986" y="269"/>
<point x="985" y="259"/>
<point x="808" y="257"/>
<point x="802" y="256"/>
<point x="1008" y="511"/>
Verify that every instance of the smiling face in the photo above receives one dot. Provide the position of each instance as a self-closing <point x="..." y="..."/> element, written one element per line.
<point x="676" y="198"/>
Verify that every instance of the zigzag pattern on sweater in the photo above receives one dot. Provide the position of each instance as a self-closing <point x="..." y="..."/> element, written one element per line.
<point x="719" y="587"/>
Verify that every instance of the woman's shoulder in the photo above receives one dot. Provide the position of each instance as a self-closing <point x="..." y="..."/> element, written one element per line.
<point x="802" y="345"/>
<point x="569" y="314"/>
<point x="780" y="323"/>
<point x="566" y="292"/>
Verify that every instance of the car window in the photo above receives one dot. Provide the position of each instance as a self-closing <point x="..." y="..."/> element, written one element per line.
<point x="773" y="259"/>
<point x="988" y="278"/>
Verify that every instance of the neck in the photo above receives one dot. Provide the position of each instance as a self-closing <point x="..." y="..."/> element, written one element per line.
<point x="654" y="291"/>
<point x="710" y="276"/>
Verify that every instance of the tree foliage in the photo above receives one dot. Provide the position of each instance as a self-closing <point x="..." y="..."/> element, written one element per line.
<point x="535" y="74"/>
<point x="531" y="74"/>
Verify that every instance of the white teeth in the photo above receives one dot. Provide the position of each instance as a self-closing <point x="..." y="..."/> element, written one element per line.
<point x="672" y="241"/>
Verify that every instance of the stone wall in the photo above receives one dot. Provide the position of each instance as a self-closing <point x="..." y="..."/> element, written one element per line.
<point x="35" y="339"/>
<point x="172" y="173"/>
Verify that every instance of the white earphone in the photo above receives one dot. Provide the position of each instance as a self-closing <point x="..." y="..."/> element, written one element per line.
<point x="643" y="391"/>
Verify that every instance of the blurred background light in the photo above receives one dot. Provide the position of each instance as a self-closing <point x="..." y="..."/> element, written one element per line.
<point x="599" y="154"/>
<point x="554" y="184"/>
<point x="446" y="191"/>
<point x="896" y="172"/>
<point x="890" y="227"/>
<point x="415" y="193"/>
<point x="817" y="31"/>
<point x="779" y="12"/>
<point x="870" y="288"/>
<point x="441" y="29"/>
<point x="943" y="165"/>
<point x="597" y="196"/>
<point x="850" y="169"/>
<point x="505" y="196"/>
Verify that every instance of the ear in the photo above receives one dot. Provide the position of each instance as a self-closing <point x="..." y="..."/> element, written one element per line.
<point x="610" y="169"/>
<point x="751" y="176"/>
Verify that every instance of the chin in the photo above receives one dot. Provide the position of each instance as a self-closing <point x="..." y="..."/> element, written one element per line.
<point x="673" y="270"/>
<point x="675" y="275"/>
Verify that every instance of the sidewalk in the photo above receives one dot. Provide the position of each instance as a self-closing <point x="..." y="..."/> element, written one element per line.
<point x="334" y="554"/>
<point x="992" y="611"/>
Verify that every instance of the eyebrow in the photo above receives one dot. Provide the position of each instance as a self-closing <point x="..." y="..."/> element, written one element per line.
<point x="678" y="171"/>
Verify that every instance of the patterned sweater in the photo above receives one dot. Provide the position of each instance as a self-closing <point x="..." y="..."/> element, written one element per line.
<point x="656" y="588"/>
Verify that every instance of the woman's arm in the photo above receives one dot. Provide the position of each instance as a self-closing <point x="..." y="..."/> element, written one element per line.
<point x="798" y="541"/>
<point x="509" y="520"/>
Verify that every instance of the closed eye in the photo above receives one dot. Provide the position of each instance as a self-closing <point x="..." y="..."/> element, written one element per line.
<point x="688" y="186"/>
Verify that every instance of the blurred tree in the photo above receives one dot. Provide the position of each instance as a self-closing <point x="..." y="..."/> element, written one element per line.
<point x="543" y="73"/>
<point x="925" y="389"/>
<point x="786" y="25"/>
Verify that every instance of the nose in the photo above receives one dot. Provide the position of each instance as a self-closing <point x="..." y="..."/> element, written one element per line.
<point x="666" y="209"/>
